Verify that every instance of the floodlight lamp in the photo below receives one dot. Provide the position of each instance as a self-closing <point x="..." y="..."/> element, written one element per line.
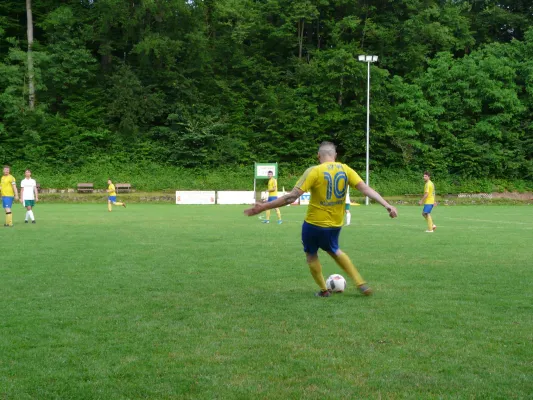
<point x="374" y="58"/>
<point x="361" y="58"/>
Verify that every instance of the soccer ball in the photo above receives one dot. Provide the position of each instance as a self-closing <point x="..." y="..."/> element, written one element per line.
<point x="336" y="283"/>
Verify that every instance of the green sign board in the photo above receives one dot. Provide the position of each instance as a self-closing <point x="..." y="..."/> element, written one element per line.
<point x="261" y="170"/>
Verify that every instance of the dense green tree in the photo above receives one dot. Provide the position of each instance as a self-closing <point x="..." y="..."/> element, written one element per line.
<point x="204" y="83"/>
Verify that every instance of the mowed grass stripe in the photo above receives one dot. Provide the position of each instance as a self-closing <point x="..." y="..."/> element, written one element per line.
<point x="164" y="301"/>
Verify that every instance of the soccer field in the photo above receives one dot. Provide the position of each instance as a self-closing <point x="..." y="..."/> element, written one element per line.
<point x="200" y="302"/>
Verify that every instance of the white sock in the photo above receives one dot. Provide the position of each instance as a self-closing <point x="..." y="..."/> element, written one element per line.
<point x="31" y="215"/>
<point x="348" y="218"/>
<point x="27" y="215"/>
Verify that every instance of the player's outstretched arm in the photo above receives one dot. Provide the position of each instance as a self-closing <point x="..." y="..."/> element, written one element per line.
<point x="287" y="199"/>
<point x="368" y="191"/>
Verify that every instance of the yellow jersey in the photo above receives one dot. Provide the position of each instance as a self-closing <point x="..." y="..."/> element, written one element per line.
<point x="272" y="187"/>
<point x="429" y="188"/>
<point x="7" y="183"/>
<point x="328" y="184"/>
<point x="111" y="190"/>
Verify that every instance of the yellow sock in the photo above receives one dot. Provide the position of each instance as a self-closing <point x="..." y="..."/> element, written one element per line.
<point x="346" y="264"/>
<point x="9" y="219"/>
<point x="278" y="212"/>
<point x="430" y="222"/>
<point x="267" y="212"/>
<point x="118" y="203"/>
<point x="316" y="270"/>
<point x="109" y="206"/>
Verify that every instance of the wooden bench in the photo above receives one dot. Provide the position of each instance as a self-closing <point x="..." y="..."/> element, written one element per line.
<point x="123" y="187"/>
<point x="85" y="187"/>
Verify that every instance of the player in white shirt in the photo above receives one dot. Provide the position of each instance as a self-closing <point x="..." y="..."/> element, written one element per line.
<point x="28" y="195"/>
<point x="347" y="207"/>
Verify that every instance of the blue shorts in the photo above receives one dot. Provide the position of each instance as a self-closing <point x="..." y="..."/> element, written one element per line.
<point x="271" y="198"/>
<point x="7" y="201"/>
<point x="316" y="237"/>
<point x="112" y="199"/>
<point x="427" y="208"/>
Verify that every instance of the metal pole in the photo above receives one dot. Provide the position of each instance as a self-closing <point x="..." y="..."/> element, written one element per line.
<point x="368" y="130"/>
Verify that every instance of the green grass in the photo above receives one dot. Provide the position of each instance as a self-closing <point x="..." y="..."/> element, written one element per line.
<point x="159" y="301"/>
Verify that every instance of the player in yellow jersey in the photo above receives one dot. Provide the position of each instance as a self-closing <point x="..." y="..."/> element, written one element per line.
<point x="327" y="183"/>
<point x="428" y="201"/>
<point x="272" y="195"/>
<point x="112" y="196"/>
<point x="9" y="192"/>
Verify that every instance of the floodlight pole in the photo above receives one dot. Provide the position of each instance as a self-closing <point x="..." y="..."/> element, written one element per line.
<point x="368" y="60"/>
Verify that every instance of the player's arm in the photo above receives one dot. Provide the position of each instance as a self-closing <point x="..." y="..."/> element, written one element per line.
<point x="368" y="191"/>
<point x="36" y="194"/>
<point x="15" y="190"/>
<point x="422" y="201"/>
<point x="22" y="195"/>
<point x="287" y="199"/>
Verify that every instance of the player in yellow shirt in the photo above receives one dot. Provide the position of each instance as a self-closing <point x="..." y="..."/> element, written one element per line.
<point x="112" y="196"/>
<point x="428" y="201"/>
<point x="327" y="183"/>
<point x="272" y="195"/>
<point x="9" y="193"/>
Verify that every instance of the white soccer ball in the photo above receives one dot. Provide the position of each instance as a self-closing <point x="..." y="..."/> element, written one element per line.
<point x="336" y="283"/>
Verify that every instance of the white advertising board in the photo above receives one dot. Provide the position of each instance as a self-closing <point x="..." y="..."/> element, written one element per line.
<point x="195" y="197"/>
<point x="304" y="198"/>
<point x="235" y="197"/>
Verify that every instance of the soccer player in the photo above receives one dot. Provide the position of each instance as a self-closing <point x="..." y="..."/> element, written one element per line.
<point x="112" y="196"/>
<point x="9" y="192"/>
<point x="347" y="207"/>
<point x="272" y="195"/>
<point x="428" y="201"/>
<point x="327" y="183"/>
<point x="28" y="195"/>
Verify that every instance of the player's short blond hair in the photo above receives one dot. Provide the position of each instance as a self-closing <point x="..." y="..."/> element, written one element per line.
<point x="327" y="149"/>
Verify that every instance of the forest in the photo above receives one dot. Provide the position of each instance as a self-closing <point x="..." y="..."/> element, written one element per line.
<point x="211" y="84"/>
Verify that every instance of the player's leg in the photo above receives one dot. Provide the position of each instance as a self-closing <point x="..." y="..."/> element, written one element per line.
<point x="110" y="201"/>
<point x="427" y="215"/>
<point x="348" y="214"/>
<point x="30" y="210"/>
<point x="310" y="241"/>
<point x="345" y="263"/>
<point x="278" y="213"/>
<point x="7" y="203"/>
<point x="267" y="212"/>
<point x="119" y="203"/>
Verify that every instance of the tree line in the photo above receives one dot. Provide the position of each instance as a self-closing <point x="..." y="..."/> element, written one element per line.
<point x="210" y="83"/>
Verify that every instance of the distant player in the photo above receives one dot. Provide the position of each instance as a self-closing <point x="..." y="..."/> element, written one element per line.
<point x="428" y="201"/>
<point x="28" y="195"/>
<point x="112" y="196"/>
<point x="8" y="186"/>
<point x="347" y="207"/>
<point x="272" y="195"/>
<point x="327" y="183"/>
